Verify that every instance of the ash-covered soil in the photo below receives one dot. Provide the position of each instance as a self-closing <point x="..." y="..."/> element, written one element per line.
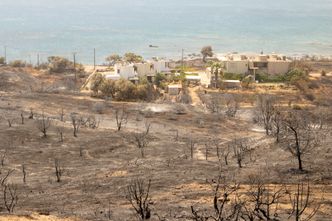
<point x="99" y="164"/>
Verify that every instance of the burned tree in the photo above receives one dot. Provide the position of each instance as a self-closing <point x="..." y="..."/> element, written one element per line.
<point x="263" y="201"/>
<point x="216" y="143"/>
<point x="76" y="122"/>
<point x="3" y="157"/>
<point x="206" y="150"/>
<point x="176" y="137"/>
<point x="58" y="170"/>
<point x="90" y="122"/>
<point x="60" y="133"/>
<point x="301" y="201"/>
<point x="300" y="135"/>
<point x="265" y="110"/>
<point x="31" y="114"/>
<point x="240" y="148"/>
<point x="10" y="197"/>
<point x="232" y="105"/>
<point x="138" y="195"/>
<point x="7" y="117"/>
<point x="225" y="153"/>
<point x="9" y="191"/>
<point x="4" y="176"/>
<point x="24" y="173"/>
<point x="191" y="145"/>
<point x="142" y="139"/>
<point x="62" y="115"/>
<point x="22" y="117"/>
<point x="223" y="207"/>
<point x="43" y="124"/>
<point x="277" y="124"/>
<point x="10" y="121"/>
<point x="121" y="117"/>
<point x="214" y="104"/>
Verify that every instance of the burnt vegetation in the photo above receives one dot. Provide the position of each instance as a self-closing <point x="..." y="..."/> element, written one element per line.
<point x="236" y="155"/>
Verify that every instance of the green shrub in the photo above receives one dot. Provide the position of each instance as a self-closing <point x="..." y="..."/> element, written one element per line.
<point x="125" y="90"/>
<point x="108" y="88"/>
<point x="61" y="65"/>
<point x="297" y="107"/>
<point x="122" y="90"/>
<point x="96" y="83"/>
<point x="17" y="64"/>
<point x="42" y="66"/>
<point x="159" y="78"/>
<point x="233" y="76"/>
<point x="2" y="60"/>
<point x="261" y="77"/>
<point x="179" y="77"/>
<point x="142" y="92"/>
<point x="132" y="58"/>
<point x="295" y="75"/>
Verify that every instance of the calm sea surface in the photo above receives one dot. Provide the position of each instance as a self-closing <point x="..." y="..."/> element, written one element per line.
<point x="60" y="27"/>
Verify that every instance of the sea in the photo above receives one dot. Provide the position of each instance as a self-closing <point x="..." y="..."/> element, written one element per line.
<point x="29" y="28"/>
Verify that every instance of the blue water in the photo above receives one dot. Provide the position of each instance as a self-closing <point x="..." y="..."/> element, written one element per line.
<point x="60" y="27"/>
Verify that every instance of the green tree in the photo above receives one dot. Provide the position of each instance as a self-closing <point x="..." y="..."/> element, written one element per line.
<point x="132" y="58"/>
<point x="113" y="59"/>
<point x="295" y="75"/>
<point x="58" y="64"/>
<point x="17" y="64"/>
<point x="108" y="87"/>
<point x="216" y="70"/>
<point x="125" y="90"/>
<point x="2" y="60"/>
<point x="206" y="52"/>
<point x="159" y="78"/>
<point x="96" y="83"/>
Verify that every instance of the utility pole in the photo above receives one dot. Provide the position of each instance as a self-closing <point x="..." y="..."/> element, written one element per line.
<point x="74" y="57"/>
<point x="38" y="60"/>
<point x="182" y="62"/>
<point x="30" y="62"/>
<point x="94" y="59"/>
<point x="5" y="56"/>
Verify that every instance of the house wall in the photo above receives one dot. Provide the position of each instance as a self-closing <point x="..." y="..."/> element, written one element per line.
<point x="278" y="67"/>
<point x="238" y="67"/>
<point x="160" y="66"/>
<point x="205" y="77"/>
<point x="126" y="71"/>
<point x="144" y="69"/>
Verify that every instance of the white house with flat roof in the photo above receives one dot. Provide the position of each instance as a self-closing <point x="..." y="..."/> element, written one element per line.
<point x="255" y="63"/>
<point x="136" y="70"/>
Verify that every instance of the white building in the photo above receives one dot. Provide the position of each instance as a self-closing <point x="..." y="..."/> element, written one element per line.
<point x="126" y="71"/>
<point x="251" y="64"/>
<point x="160" y="66"/>
<point x="136" y="70"/>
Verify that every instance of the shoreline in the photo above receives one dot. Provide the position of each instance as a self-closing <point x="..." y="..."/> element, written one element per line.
<point x="188" y="56"/>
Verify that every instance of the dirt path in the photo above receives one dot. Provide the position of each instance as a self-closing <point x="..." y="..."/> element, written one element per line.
<point x="195" y="100"/>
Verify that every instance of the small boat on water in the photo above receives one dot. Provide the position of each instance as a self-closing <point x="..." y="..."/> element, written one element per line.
<point x="153" y="46"/>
